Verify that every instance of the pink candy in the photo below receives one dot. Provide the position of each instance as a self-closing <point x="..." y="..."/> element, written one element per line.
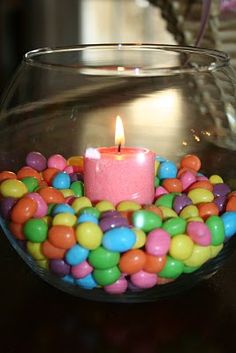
<point x="158" y="242"/>
<point x="187" y="179"/>
<point x="119" y="287"/>
<point x="143" y="279"/>
<point x="199" y="233"/>
<point x="42" y="208"/>
<point x="81" y="270"/>
<point x="57" y="161"/>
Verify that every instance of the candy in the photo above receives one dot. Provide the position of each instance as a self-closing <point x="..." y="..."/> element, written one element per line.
<point x="200" y="195"/>
<point x="146" y="220"/>
<point x="216" y="227"/>
<point x="102" y="258"/>
<point x="23" y="210"/>
<point x="158" y="242"/>
<point x="107" y="276"/>
<point x="35" y="230"/>
<point x="191" y="161"/>
<point x="36" y="161"/>
<point x="62" y="236"/>
<point x="174" y="226"/>
<point x="143" y="279"/>
<point x="61" y="181"/>
<point x="132" y="261"/>
<point x="199" y="233"/>
<point x="64" y="219"/>
<point x="13" y="188"/>
<point x="119" y="239"/>
<point x="181" y="247"/>
<point x="76" y="255"/>
<point x="89" y="235"/>
<point x="130" y="247"/>
<point x="57" y="161"/>
<point x="81" y="270"/>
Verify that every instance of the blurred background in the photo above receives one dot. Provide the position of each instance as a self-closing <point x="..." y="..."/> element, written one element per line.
<point x="30" y="24"/>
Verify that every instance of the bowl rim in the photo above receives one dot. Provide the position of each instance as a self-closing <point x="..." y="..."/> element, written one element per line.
<point x="218" y="59"/>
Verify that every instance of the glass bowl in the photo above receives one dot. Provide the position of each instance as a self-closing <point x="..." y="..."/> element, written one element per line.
<point x="174" y="101"/>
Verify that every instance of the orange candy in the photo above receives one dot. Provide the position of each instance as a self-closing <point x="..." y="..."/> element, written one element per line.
<point x="17" y="230"/>
<point x="49" y="173"/>
<point x="28" y="172"/>
<point x="172" y="185"/>
<point x="52" y="252"/>
<point x="154" y="264"/>
<point x="207" y="209"/>
<point x="51" y="195"/>
<point x="191" y="161"/>
<point x="154" y="209"/>
<point x="231" y="204"/>
<point x="62" y="237"/>
<point x="127" y="215"/>
<point x="132" y="261"/>
<point x="7" y="175"/>
<point x="202" y="184"/>
<point x="23" y="210"/>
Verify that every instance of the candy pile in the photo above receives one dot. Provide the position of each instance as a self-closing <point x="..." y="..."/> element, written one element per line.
<point x="129" y="246"/>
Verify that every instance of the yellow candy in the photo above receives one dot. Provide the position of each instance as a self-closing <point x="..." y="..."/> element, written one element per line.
<point x="189" y="212"/>
<point x="199" y="256"/>
<point x="35" y="250"/>
<point x="140" y="238"/>
<point x="89" y="235"/>
<point x="216" y="179"/>
<point x="128" y="206"/>
<point x="81" y="202"/>
<point x="43" y="264"/>
<point x="77" y="161"/>
<point x="181" y="247"/>
<point x="48" y="220"/>
<point x="13" y="188"/>
<point x="167" y="212"/>
<point x="200" y="195"/>
<point x="195" y="219"/>
<point x="157" y="164"/>
<point x="64" y="219"/>
<point x="215" y="250"/>
<point x="104" y="206"/>
<point x="67" y="192"/>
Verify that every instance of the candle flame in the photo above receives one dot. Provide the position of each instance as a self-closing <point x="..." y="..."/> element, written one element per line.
<point x="119" y="135"/>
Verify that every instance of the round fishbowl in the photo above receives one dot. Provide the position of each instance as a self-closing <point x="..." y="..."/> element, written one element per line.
<point x="116" y="168"/>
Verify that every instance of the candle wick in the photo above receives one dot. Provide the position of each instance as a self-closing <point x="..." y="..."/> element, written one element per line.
<point x="119" y="147"/>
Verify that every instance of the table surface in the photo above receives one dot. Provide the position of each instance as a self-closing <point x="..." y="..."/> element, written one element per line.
<point x="35" y="317"/>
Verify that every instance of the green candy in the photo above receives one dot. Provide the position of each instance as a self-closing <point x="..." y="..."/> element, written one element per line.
<point x="175" y="226"/>
<point x="146" y="220"/>
<point x="156" y="182"/>
<point x="102" y="258"/>
<point x="50" y="208"/>
<point x="216" y="227"/>
<point x="166" y="200"/>
<point x="35" y="230"/>
<point x="78" y="188"/>
<point x="31" y="183"/>
<point x="93" y="211"/>
<point x="107" y="276"/>
<point x="190" y="269"/>
<point x="172" y="269"/>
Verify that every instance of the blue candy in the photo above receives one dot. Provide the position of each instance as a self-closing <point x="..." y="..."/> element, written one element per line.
<point x="229" y="220"/>
<point x="68" y="279"/>
<point x="167" y="169"/>
<point x="62" y="208"/>
<point x="86" y="282"/>
<point x="119" y="239"/>
<point x="61" y="181"/>
<point x="87" y="218"/>
<point x="76" y="255"/>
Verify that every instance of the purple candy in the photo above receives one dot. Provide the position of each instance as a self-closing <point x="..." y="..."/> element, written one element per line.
<point x="107" y="223"/>
<point x="111" y="213"/>
<point x="59" y="267"/>
<point x="180" y="202"/>
<point x="36" y="161"/>
<point x="73" y="177"/>
<point x="6" y="205"/>
<point x="221" y="189"/>
<point x="220" y="202"/>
